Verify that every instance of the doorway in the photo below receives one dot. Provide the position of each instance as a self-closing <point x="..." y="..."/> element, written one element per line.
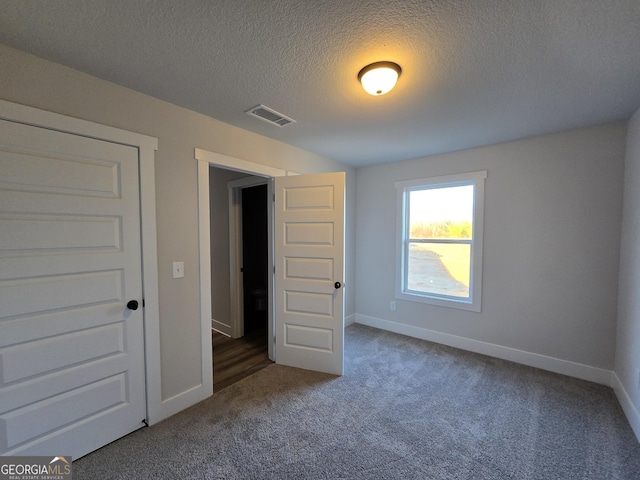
<point x="306" y="300"/>
<point x="239" y="274"/>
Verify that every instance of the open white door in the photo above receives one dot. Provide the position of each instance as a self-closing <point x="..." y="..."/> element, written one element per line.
<point x="72" y="373"/>
<point x="309" y="258"/>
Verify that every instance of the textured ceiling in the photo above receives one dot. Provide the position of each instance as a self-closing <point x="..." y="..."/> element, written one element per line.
<point x="474" y="72"/>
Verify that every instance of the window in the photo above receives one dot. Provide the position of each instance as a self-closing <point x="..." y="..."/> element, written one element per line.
<point x="439" y="253"/>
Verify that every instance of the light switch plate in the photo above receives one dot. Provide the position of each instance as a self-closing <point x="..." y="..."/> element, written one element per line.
<point x="178" y="269"/>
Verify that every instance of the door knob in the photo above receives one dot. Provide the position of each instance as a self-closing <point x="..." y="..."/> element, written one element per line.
<point x="132" y="304"/>
<point x="337" y="285"/>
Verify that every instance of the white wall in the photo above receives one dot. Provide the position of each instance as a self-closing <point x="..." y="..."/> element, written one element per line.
<point x="627" y="365"/>
<point x="31" y="81"/>
<point x="551" y="251"/>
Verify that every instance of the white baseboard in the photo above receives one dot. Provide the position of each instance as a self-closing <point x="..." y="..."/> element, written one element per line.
<point x="181" y="401"/>
<point x="627" y="405"/>
<point x="349" y="319"/>
<point x="221" y="327"/>
<point x="564" y="367"/>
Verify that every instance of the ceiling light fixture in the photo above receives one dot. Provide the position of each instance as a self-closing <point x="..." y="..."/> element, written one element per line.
<point x="379" y="78"/>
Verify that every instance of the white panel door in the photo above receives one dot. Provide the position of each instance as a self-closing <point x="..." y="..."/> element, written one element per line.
<point x="71" y="351"/>
<point x="309" y="252"/>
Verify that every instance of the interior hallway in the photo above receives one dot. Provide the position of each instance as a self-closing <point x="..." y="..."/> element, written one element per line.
<point x="235" y="359"/>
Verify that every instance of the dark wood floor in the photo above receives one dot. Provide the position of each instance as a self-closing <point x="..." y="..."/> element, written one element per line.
<point x="235" y="359"/>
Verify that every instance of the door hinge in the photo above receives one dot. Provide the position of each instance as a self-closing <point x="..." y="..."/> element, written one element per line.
<point x="143" y="303"/>
<point x="274" y="197"/>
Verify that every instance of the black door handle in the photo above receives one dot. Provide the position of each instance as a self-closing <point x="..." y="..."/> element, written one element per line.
<point x="337" y="285"/>
<point x="132" y="304"/>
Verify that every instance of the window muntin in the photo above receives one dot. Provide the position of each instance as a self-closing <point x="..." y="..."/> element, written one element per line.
<point x="440" y="240"/>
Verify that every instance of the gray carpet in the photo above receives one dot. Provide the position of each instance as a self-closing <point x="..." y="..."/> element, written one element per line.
<point x="405" y="408"/>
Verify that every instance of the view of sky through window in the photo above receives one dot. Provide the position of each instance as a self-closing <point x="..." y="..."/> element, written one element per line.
<point x="441" y="212"/>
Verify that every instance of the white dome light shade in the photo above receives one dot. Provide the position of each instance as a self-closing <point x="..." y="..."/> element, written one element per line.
<point x="379" y="78"/>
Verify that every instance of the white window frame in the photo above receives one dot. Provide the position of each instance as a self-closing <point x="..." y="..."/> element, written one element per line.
<point x="474" y="302"/>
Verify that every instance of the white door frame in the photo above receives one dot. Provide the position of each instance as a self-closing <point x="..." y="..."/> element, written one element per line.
<point x="146" y="146"/>
<point x="235" y="253"/>
<point x="205" y="160"/>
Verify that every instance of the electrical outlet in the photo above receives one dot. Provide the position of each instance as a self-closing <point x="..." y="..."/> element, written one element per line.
<point x="392" y="305"/>
<point x="178" y="269"/>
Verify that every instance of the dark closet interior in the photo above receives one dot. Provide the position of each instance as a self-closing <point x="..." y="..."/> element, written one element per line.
<point x="254" y="259"/>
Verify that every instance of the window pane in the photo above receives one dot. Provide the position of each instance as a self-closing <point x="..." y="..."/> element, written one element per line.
<point x="441" y="212"/>
<point x="439" y="268"/>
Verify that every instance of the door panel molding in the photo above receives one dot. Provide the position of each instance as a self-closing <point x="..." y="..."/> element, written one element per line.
<point x="309" y="251"/>
<point x="146" y="147"/>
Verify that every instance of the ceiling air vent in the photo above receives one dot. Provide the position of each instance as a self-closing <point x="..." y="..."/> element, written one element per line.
<point x="269" y="115"/>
